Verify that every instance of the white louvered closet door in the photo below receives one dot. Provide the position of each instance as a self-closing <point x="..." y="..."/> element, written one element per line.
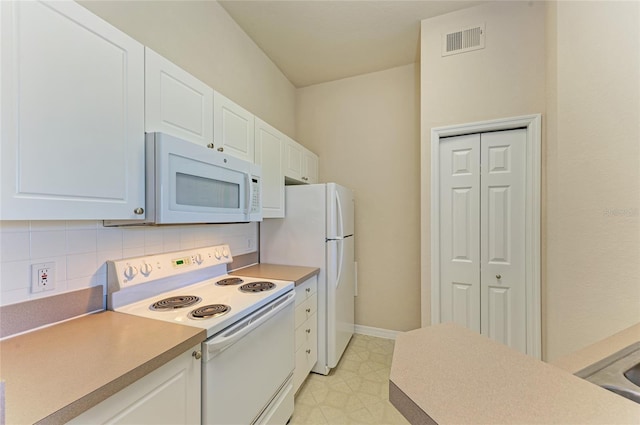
<point x="482" y="234"/>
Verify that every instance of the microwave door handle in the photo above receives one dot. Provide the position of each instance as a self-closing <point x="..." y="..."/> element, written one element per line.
<point x="248" y="194"/>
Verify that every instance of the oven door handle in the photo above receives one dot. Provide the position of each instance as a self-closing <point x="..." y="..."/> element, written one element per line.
<point x="220" y="343"/>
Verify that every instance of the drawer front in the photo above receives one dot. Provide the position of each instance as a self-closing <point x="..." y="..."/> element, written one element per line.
<point x="307" y="331"/>
<point x="306" y="309"/>
<point x="306" y="357"/>
<point x="306" y="290"/>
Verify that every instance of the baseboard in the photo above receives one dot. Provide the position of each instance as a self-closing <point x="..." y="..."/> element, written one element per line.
<point x="377" y="332"/>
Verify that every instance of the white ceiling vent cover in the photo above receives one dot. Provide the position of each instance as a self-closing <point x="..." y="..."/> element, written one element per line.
<point x="465" y="40"/>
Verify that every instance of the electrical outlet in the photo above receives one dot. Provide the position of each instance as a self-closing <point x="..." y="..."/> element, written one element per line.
<point x="43" y="277"/>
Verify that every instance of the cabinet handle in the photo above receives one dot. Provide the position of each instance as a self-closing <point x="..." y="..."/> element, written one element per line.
<point x="138" y="211"/>
<point x="220" y="149"/>
<point x="308" y="310"/>
<point x="197" y="354"/>
<point x="308" y="351"/>
<point x="210" y="145"/>
<point x="308" y="331"/>
<point x="498" y="276"/>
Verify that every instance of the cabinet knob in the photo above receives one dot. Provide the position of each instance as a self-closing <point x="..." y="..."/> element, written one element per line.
<point x="210" y="145"/>
<point x="308" y="351"/>
<point x="220" y="149"/>
<point x="197" y="354"/>
<point x="498" y="276"/>
<point x="308" y="331"/>
<point x="138" y="211"/>
<point x="308" y="310"/>
<point x="308" y="289"/>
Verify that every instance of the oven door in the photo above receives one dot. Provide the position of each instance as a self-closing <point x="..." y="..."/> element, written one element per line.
<point x="246" y="367"/>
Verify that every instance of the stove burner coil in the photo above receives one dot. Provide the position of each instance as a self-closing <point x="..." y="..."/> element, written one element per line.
<point x="173" y="303"/>
<point x="257" y="286"/>
<point x="209" y="311"/>
<point x="230" y="281"/>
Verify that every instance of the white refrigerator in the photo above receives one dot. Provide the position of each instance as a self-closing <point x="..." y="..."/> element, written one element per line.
<point x="318" y="231"/>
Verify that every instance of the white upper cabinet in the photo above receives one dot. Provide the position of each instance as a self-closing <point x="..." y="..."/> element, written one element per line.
<point x="233" y="128"/>
<point x="269" y="154"/>
<point x="300" y="164"/>
<point x="72" y="115"/>
<point x="176" y="102"/>
<point x="309" y="167"/>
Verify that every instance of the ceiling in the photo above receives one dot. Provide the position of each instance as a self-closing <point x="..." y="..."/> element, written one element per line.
<point x="314" y="41"/>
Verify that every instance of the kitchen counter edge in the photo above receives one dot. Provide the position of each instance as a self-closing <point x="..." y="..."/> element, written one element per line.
<point x="593" y="353"/>
<point x="297" y="274"/>
<point x="463" y="377"/>
<point x="67" y="380"/>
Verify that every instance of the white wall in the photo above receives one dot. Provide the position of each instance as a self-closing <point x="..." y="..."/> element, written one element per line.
<point x="578" y="63"/>
<point x="505" y="79"/>
<point x="365" y="130"/>
<point x="593" y="173"/>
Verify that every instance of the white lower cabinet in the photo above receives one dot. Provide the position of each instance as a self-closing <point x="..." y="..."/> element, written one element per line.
<point x="168" y="395"/>
<point x="306" y="322"/>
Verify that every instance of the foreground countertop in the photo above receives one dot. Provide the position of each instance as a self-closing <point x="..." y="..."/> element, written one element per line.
<point x="447" y="374"/>
<point x="297" y="274"/>
<point x="53" y="374"/>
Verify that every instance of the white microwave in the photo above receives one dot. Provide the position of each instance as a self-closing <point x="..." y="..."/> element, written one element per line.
<point x="189" y="183"/>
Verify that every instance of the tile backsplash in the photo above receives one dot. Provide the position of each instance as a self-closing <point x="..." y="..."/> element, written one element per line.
<point x="80" y="250"/>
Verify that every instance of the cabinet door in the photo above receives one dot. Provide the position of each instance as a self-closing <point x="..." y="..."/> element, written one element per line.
<point x="233" y="128"/>
<point x="310" y="167"/>
<point x="168" y="395"/>
<point x="72" y="115"/>
<point x="176" y="102"/>
<point x="293" y="160"/>
<point x="300" y="164"/>
<point x="269" y="148"/>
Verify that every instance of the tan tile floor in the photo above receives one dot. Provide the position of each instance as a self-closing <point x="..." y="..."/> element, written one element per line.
<point x="355" y="392"/>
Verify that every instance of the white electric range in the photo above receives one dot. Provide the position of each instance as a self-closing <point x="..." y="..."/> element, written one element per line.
<point x="249" y="324"/>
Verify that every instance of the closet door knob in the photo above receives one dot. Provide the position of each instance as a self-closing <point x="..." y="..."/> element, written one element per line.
<point x="498" y="276"/>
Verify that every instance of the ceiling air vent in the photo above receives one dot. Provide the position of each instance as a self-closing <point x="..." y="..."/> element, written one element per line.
<point x="465" y="40"/>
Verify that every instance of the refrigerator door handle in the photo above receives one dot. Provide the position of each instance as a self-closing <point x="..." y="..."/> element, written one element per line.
<point x="338" y="238"/>
<point x="338" y="260"/>
<point x="339" y="223"/>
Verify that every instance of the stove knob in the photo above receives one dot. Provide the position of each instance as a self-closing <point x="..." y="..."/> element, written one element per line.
<point x="130" y="272"/>
<point x="225" y="252"/>
<point x="146" y="269"/>
<point x="217" y="254"/>
<point x="198" y="258"/>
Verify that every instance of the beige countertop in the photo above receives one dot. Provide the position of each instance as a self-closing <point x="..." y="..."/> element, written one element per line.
<point x="297" y="274"/>
<point x="53" y="374"/>
<point x="448" y="374"/>
<point x="579" y="360"/>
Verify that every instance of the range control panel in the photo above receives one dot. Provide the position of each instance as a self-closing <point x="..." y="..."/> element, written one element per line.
<point x="137" y="270"/>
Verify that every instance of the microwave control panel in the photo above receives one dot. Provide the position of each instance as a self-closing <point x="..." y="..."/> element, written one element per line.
<point x="255" y="195"/>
